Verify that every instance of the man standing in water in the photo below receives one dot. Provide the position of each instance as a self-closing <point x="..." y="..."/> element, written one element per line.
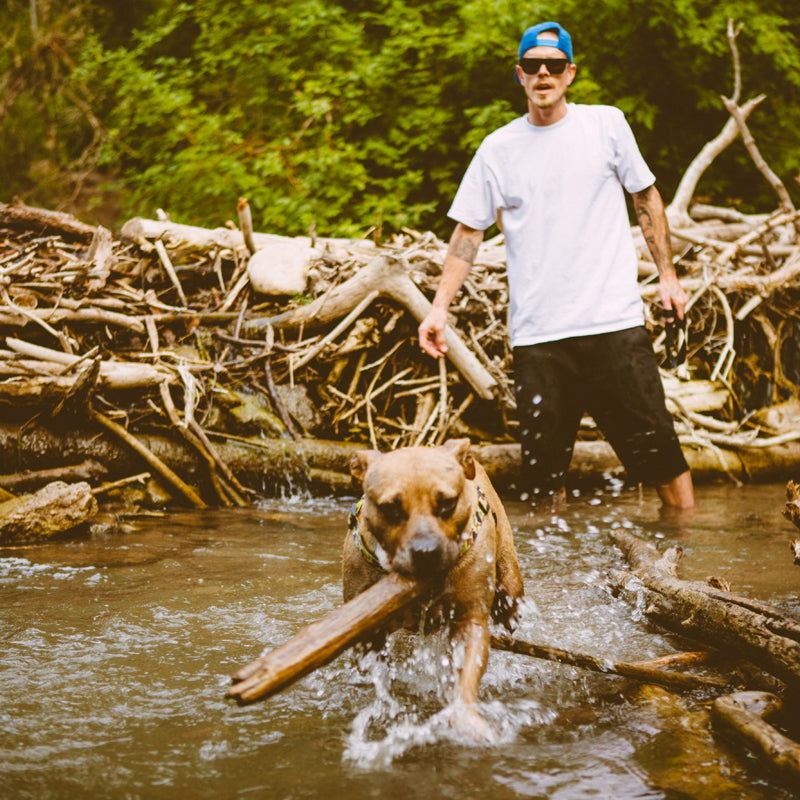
<point x="576" y="316"/>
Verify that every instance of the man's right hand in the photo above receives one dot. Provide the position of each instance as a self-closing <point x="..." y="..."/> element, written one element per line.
<point x="431" y="333"/>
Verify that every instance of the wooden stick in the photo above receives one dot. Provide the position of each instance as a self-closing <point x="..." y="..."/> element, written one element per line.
<point x="194" y="442"/>
<point x="320" y="642"/>
<point x="88" y="469"/>
<point x="173" y="276"/>
<point x="732" y="104"/>
<point x="156" y="463"/>
<point x="671" y="659"/>
<point x="111" y="485"/>
<point x="301" y="360"/>
<point x="628" y="670"/>
<point x="677" y="210"/>
<point x="246" y="224"/>
<point x="390" y="278"/>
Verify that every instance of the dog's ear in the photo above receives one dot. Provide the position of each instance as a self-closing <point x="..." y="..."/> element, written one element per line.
<point x="460" y="448"/>
<point x="360" y="461"/>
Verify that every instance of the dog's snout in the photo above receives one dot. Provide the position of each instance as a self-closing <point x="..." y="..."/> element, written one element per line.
<point x="425" y="553"/>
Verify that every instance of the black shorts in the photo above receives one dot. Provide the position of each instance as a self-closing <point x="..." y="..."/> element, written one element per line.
<point x="612" y="376"/>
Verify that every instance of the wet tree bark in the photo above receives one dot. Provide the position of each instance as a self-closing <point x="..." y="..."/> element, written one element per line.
<point x="747" y="628"/>
<point x="743" y="716"/>
<point x="56" y="509"/>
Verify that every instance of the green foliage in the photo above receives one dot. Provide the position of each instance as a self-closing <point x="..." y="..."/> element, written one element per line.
<point x="352" y="114"/>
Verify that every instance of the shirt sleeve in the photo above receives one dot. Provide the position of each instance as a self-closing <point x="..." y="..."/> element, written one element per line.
<point x="478" y="197"/>
<point x="632" y="170"/>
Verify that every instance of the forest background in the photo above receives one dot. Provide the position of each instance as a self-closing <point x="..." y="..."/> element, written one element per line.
<point x="359" y="115"/>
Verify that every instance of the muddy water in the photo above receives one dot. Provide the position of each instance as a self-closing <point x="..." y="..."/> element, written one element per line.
<point x="116" y="653"/>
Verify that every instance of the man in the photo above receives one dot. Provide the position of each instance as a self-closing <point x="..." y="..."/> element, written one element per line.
<point x="557" y="176"/>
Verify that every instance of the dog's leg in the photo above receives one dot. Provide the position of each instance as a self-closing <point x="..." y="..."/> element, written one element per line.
<point x="472" y="639"/>
<point x="471" y="647"/>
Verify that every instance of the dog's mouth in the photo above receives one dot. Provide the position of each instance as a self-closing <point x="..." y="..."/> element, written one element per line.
<point x="425" y="556"/>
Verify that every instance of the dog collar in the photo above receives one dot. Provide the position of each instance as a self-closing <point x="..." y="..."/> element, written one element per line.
<point x="379" y="558"/>
<point x="376" y="556"/>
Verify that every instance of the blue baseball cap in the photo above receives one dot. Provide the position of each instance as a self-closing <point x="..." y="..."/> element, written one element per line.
<point x="531" y="39"/>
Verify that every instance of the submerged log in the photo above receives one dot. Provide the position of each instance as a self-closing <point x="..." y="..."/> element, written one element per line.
<point x="752" y="630"/>
<point x="319" y="643"/>
<point x="56" y="509"/>
<point x="743" y="716"/>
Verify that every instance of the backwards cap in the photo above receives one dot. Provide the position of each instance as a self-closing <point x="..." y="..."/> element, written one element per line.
<point x="531" y="39"/>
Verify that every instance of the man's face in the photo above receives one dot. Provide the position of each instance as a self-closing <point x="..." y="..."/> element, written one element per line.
<point x="543" y="89"/>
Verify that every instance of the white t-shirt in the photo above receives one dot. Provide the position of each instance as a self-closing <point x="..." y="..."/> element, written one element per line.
<point x="572" y="265"/>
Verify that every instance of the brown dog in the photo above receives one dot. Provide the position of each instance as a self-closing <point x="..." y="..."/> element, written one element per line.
<point x="431" y="511"/>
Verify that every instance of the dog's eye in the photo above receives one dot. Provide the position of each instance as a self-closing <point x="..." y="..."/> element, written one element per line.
<point x="445" y="506"/>
<point x="392" y="511"/>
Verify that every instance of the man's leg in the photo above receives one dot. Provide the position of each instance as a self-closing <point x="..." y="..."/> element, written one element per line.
<point x="628" y="404"/>
<point x="679" y="492"/>
<point x="549" y="411"/>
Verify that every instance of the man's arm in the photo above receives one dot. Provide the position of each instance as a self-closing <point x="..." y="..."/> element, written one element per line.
<point x="460" y="257"/>
<point x="653" y="222"/>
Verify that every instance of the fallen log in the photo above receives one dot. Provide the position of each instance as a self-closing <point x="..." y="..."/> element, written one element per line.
<point x="37" y="391"/>
<point x="113" y="374"/>
<point x="748" y="628"/>
<point x="56" y="509"/>
<point x="319" y="643"/>
<point x="271" y="464"/>
<point x="639" y="672"/>
<point x="17" y="214"/>
<point x="87" y="470"/>
<point x="743" y="716"/>
<point x="191" y="238"/>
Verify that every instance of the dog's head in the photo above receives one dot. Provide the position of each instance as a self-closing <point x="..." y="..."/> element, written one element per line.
<point x="417" y="503"/>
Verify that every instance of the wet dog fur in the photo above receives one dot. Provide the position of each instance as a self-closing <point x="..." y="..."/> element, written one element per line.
<point x="418" y="515"/>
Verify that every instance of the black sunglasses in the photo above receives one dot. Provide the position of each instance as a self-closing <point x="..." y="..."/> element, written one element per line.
<point x="555" y="66"/>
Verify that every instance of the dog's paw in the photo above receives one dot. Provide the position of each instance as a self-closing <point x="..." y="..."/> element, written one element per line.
<point x="505" y="610"/>
<point x="467" y="723"/>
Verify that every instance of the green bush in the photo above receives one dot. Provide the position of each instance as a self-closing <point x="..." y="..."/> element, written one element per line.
<point x="356" y="115"/>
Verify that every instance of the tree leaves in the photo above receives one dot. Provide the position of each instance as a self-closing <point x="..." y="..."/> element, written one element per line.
<point x="351" y="114"/>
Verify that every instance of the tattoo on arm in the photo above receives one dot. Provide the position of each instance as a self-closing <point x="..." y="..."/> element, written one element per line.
<point x="654" y="228"/>
<point x="465" y="249"/>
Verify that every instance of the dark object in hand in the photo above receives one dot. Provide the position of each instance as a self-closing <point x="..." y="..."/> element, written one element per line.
<point x="675" y="344"/>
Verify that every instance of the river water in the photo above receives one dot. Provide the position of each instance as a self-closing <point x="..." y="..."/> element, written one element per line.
<point x="117" y="651"/>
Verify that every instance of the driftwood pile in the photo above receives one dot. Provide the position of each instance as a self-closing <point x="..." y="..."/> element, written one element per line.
<point x="157" y="333"/>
